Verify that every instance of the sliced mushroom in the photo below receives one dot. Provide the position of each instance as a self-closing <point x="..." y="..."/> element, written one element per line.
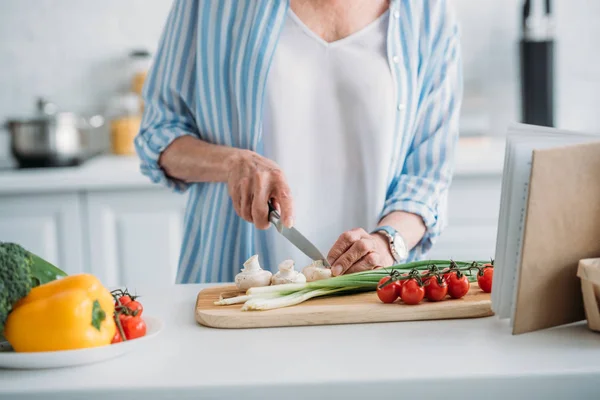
<point x="287" y="274"/>
<point x="316" y="271"/>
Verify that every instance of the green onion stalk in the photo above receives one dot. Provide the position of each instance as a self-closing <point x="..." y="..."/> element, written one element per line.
<point x="278" y="296"/>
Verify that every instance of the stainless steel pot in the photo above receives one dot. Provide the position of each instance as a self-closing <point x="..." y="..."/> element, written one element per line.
<point x="52" y="138"/>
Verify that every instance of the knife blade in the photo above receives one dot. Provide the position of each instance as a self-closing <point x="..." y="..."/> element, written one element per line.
<point x="295" y="237"/>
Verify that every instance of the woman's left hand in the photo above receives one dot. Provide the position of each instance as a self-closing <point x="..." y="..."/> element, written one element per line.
<point x="356" y="250"/>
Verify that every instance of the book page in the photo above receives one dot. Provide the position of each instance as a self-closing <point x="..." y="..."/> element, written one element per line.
<point x="500" y="254"/>
<point x="519" y="213"/>
<point x="519" y="172"/>
<point x="500" y="232"/>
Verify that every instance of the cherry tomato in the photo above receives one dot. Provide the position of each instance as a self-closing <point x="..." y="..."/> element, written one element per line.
<point x="387" y="294"/>
<point x="398" y="287"/>
<point x="134" y="306"/>
<point x="122" y="317"/>
<point x="434" y="290"/>
<point x="123" y="300"/>
<point x="133" y="327"/>
<point x="458" y="287"/>
<point x="447" y="276"/>
<point x="117" y="337"/>
<point x="485" y="280"/>
<point x="412" y="292"/>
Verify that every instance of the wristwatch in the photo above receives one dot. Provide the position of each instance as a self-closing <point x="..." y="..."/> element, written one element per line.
<point x="398" y="246"/>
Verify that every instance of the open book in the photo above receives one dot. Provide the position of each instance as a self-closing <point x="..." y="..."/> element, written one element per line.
<point x="549" y="219"/>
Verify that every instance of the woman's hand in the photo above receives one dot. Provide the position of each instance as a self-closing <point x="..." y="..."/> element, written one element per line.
<point x="357" y="250"/>
<point x="252" y="181"/>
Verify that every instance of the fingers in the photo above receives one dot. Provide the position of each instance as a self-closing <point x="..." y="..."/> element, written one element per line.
<point x="251" y="183"/>
<point x="344" y="242"/>
<point x="247" y="195"/>
<point x="282" y="195"/>
<point x="236" y="199"/>
<point x="359" y="253"/>
<point x="250" y="188"/>
<point x="260" y="207"/>
<point x="368" y="262"/>
<point x="276" y="205"/>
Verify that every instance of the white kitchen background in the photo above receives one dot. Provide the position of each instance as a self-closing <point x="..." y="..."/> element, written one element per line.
<point x="74" y="52"/>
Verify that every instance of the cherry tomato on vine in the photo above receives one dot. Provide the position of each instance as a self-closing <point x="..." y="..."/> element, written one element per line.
<point x="412" y="292"/>
<point x="133" y="327"/>
<point x="388" y="293"/>
<point x="117" y="337"/>
<point x="447" y="275"/>
<point x="434" y="290"/>
<point x="399" y="287"/>
<point x="485" y="280"/>
<point x="134" y="306"/>
<point x="123" y="300"/>
<point x="458" y="287"/>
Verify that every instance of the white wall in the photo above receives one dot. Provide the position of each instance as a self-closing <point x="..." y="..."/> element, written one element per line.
<point x="578" y="66"/>
<point x="491" y="30"/>
<point x="73" y="52"/>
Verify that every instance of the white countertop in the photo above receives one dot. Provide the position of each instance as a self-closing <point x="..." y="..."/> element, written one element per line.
<point x="99" y="173"/>
<point x="475" y="157"/>
<point x="471" y="358"/>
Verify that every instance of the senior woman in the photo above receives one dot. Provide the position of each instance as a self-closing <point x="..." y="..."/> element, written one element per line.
<point x="343" y="113"/>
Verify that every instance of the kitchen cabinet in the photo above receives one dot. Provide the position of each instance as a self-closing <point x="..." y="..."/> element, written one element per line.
<point x="135" y="236"/>
<point x="46" y="224"/>
<point x="120" y="236"/>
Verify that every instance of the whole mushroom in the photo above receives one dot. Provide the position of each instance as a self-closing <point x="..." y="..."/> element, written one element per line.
<point x="252" y="275"/>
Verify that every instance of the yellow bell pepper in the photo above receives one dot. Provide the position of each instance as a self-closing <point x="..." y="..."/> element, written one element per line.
<point x="74" y="312"/>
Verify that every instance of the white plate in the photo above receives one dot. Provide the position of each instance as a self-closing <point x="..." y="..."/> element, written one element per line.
<point x="69" y="358"/>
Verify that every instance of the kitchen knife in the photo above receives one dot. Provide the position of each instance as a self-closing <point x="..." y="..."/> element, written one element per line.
<point x="295" y="237"/>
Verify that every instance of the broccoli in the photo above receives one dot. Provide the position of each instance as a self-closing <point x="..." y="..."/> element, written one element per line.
<point x="20" y="271"/>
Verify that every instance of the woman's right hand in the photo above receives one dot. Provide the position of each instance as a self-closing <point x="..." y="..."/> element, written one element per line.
<point x="252" y="181"/>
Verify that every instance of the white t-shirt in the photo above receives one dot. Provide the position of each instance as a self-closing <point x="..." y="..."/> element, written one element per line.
<point x="328" y="123"/>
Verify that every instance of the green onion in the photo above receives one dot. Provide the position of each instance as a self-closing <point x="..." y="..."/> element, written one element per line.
<point x="278" y="296"/>
<point x="259" y="303"/>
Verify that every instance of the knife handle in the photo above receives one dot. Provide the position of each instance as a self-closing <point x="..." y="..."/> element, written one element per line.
<point x="274" y="216"/>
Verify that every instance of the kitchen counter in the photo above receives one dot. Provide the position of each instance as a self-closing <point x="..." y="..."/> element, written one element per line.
<point x="99" y="173"/>
<point x="475" y="157"/>
<point x="472" y="358"/>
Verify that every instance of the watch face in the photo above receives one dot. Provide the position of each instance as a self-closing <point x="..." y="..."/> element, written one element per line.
<point x="400" y="247"/>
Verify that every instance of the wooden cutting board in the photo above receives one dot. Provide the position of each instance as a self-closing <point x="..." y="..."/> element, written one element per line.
<point x="352" y="309"/>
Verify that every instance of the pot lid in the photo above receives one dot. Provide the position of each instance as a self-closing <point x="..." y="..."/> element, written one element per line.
<point x="48" y="112"/>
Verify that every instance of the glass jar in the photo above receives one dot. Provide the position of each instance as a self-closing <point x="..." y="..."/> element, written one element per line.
<point x="125" y="120"/>
<point x="140" y="64"/>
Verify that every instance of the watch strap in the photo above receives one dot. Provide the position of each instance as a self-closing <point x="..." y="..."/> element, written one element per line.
<point x="391" y="233"/>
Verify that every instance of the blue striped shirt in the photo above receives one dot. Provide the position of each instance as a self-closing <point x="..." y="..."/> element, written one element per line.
<point x="208" y="81"/>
